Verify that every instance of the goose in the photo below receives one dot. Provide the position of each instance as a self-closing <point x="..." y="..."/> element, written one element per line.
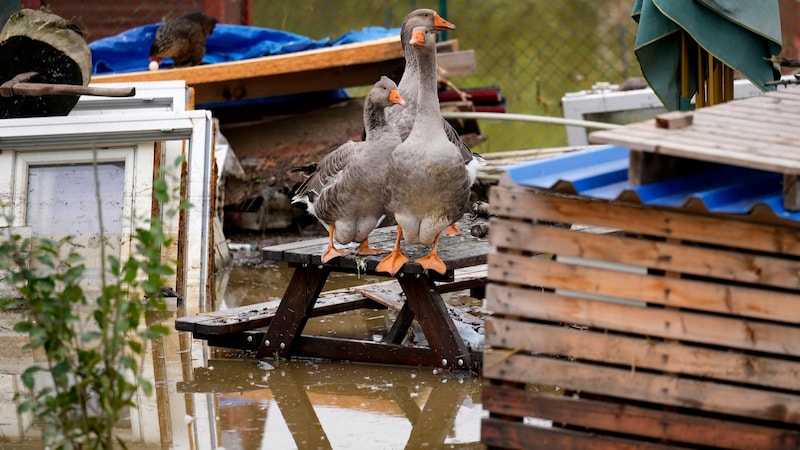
<point x="403" y="117"/>
<point x="344" y="192"/>
<point x="427" y="185"/>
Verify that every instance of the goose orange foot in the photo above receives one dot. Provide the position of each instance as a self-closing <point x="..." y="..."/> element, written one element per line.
<point x="431" y="261"/>
<point x="395" y="259"/>
<point x="452" y="230"/>
<point x="333" y="252"/>
<point x="392" y="263"/>
<point x="364" y="249"/>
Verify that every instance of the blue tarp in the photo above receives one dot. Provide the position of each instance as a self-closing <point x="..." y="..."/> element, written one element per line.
<point x="129" y="51"/>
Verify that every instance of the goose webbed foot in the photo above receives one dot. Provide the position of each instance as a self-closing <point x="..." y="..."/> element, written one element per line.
<point x="365" y="250"/>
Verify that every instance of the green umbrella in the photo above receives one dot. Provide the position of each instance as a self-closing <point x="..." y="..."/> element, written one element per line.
<point x="683" y="45"/>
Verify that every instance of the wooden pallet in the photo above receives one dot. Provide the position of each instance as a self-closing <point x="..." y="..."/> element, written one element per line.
<point x="683" y="330"/>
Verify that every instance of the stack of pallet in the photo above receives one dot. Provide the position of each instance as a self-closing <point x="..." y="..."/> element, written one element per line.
<point x="670" y="327"/>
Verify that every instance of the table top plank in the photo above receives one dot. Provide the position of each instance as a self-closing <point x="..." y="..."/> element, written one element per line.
<point x="460" y="251"/>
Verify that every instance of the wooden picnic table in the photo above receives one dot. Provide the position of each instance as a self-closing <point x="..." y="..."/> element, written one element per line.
<point x="423" y="301"/>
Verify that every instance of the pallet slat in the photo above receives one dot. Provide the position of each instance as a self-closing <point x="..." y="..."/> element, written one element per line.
<point x="637" y="353"/>
<point x="525" y="204"/>
<point x="660" y="424"/>
<point x="640" y="386"/>
<point x="514" y="435"/>
<point x="674" y="292"/>
<point x="728" y="264"/>
<point x="660" y="322"/>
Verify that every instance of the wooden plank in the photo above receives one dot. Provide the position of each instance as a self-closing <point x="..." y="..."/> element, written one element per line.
<point x="710" y="144"/>
<point x="645" y="168"/>
<point x="674" y="119"/>
<point x="686" y="258"/>
<point x="260" y="315"/>
<point x="791" y="193"/>
<point x="738" y="154"/>
<point x="664" y="425"/>
<point x="644" y="353"/>
<point x="339" y="349"/>
<point x="714" y="139"/>
<point x="356" y="64"/>
<point x="522" y="203"/>
<point x="457" y="252"/>
<point x="496" y="433"/>
<point x="647" y="387"/>
<point x="668" y="291"/>
<point x="312" y="70"/>
<point x="666" y="323"/>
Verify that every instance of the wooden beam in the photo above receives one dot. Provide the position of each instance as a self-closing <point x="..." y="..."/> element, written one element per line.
<point x="342" y="66"/>
<point x="628" y="419"/>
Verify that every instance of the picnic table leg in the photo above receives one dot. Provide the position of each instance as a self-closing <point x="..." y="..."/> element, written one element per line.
<point x="429" y="309"/>
<point x="294" y="310"/>
<point x="400" y="326"/>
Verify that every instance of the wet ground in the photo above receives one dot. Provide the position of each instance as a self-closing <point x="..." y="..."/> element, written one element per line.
<point x="210" y="398"/>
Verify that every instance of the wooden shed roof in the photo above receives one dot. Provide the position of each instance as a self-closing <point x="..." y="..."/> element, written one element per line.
<point x="758" y="132"/>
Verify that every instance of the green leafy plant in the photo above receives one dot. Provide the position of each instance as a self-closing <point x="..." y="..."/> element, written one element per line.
<point x="94" y="348"/>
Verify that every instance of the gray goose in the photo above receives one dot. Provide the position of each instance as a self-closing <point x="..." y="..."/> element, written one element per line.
<point x="408" y="86"/>
<point x="345" y="190"/>
<point x="427" y="186"/>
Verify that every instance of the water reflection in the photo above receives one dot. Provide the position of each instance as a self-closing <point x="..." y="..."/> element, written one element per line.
<point x="207" y="398"/>
<point x="299" y="404"/>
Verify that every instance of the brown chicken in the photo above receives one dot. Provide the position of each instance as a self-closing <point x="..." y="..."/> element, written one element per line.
<point x="183" y="39"/>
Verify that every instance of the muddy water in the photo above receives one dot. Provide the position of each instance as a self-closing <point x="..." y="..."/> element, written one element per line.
<point x="207" y="398"/>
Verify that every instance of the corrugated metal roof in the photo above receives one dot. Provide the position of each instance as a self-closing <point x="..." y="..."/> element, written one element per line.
<point x="602" y="173"/>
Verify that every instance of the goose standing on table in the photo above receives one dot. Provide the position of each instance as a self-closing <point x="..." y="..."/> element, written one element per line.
<point x="403" y="117"/>
<point x="427" y="186"/>
<point x="345" y="190"/>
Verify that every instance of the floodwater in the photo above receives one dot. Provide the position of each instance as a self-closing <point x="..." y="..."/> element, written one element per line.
<point x="207" y="398"/>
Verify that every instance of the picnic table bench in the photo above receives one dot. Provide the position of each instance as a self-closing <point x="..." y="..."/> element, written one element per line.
<point x="414" y="293"/>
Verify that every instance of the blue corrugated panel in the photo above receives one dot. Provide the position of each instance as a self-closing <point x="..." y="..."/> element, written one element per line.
<point x="603" y="173"/>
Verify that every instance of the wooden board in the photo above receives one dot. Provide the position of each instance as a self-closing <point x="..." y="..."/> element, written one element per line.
<point x="661" y="424"/>
<point x="639" y="385"/>
<point x="758" y="132"/>
<point x="348" y="65"/>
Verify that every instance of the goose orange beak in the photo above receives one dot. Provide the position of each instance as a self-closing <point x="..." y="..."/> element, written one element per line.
<point x="439" y="23"/>
<point x="417" y="38"/>
<point x="395" y="97"/>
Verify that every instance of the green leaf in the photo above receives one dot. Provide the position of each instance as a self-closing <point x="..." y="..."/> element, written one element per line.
<point x="25" y="406"/>
<point x="27" y="377"/>
<point x="135" y="346"/>
<point x="89" y="336"/>
<point x="60" y="370"/>
<point x="160" y="330"/>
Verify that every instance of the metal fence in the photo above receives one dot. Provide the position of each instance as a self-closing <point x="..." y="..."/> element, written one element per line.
<point x="535" y="51"/>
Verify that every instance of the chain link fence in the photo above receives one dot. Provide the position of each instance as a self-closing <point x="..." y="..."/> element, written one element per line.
<point x="535" y="51"/>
